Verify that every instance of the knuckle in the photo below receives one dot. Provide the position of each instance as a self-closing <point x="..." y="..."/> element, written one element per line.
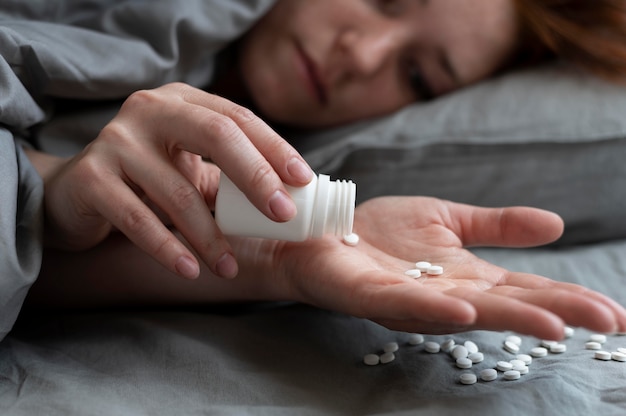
<point x="261" y="171"/>
<point x="243" y="114"/>
<point x="220" y="126"/>
<point x="183" y="198"/>
<point x="136" y="223"/>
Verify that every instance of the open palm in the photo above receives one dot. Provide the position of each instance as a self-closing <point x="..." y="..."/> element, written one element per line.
<point x="369" y="281"/>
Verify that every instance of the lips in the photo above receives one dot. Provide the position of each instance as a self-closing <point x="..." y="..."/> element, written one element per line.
<point x="312" y="76"/>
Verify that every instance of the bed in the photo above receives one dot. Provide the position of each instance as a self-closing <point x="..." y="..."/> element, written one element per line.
<point x="549" y="137"/>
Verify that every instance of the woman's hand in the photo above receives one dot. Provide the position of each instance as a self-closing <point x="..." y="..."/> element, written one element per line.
<point x="369" y="281"/>
<point x="151" y="154"/>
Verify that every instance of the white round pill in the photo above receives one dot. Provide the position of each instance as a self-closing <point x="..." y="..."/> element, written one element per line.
<point x="511" y="375"/>
<point x="459" y="352"/>
<point x="514" y="339"/>
<point x="467" y="378"/>
<point x="476" y="357"/>
<point x="414" y="273"/>
<point x="524" y="370"/>
<point x="558" y="348"/>
<point x="525" y="358"/>
<point x="416" y="339"/>
<point x="464" y="362"/>
<point x="387" y="358"/>
<point x="371" y="359"/>
<point x="622" y="350"/>
<point x="391" y="347"/>
<point x="601" y="338"/>
<point x="518" y="365"/>
<point x="447" y="345"/>
<point x="511" y="347"/>
<point x="504" y="366"/>
<point x="539" y="352"/>
<point x="432" y="347"/>
<point x="351" y="239"/>
<point x="602" y="355"/>
<point x="471" y="347"/>
<point x="618" y="356"/>
<point x="546" y="343"/>
<point x="435" y="270"/>
<point x="569" y="332"/>
<point x="488" y="374"/>
<point x="422" y="266"/>
<point x="592" y="345"/>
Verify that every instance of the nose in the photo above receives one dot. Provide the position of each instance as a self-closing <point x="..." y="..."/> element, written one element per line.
<point x="366" y="52"/>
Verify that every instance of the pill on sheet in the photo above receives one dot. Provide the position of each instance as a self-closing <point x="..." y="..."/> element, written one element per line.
<point x="602" y="355"/>
<point x="488" y="374"/>
<point x="468" y="378"/>
<point x="539" y="352"/>
<point x="416" y="339"/>
<point x="371" y="359"/>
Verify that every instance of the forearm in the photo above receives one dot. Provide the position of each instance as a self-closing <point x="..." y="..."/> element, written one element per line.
<point x="117" y="273"/>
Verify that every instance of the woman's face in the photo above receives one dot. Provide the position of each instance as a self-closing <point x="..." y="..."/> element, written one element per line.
<point x="320" y="63"/>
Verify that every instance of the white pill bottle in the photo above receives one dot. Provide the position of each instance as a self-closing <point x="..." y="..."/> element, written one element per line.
<point x="324" y="207"/>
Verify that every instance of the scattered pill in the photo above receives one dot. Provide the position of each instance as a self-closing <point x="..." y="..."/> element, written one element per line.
<point x="525" y="358"/>
<point x="602" y="355"/>
<point x="511" y="375"/>
<point x="387" y="358"/>
<point x="514" y="339"/>
<point x="569" y="332"/>
<point x="504" y="366"/>
<point x="524" y="370"/>
<point x="601" y="338"/>
<point x="539" y="352"/>
<point x="459" y="352"/>
<point x="391" y="347"/>
<point x="518" y="365"/>
<point x="546" y="343"/>
<point x="488" y="374"/>
<point x="467" y="378"/>
<point x="618" y="356"/>
<point x="511" y="347"/>
<point x="476" y="357"/>
<point x="351" y="239"/>
<point x="464" y="362"/>
<point x="447" y="345"/>
<point x="622" y="350"/>
<point x="592" y="345"/>
<point x="432" y="347"/>
<point x="558" y="348"/>
<point x="413" y="273"/>
<point x="416" y="339"/>
<point x="371" y="359"/>
<point x="435" y="270"/>
<point x="471" y="347"/>
<point x="422" y="266"/>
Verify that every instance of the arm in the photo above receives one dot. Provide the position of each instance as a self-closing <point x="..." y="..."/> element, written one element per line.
<point x="366" y="281"/>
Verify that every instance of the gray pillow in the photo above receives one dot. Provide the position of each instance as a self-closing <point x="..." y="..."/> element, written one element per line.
<point x="549" y="137"/>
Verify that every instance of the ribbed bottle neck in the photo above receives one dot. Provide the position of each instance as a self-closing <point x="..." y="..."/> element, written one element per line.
<point x="333" y="212"/>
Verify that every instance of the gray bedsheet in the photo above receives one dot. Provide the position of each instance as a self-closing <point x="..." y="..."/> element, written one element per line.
<point x="289" y="359"/>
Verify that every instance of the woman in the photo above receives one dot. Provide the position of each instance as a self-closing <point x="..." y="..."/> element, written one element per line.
<point x="308" y="64"/>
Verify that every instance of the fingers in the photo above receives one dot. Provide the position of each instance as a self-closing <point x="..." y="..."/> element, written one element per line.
<point x="512" y="226"/>
<point x="257" y="159"/>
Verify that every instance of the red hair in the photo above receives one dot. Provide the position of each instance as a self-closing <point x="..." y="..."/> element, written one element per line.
<point x="588" y="33"/>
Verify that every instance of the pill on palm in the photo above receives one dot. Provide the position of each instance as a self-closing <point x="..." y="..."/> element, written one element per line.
<point x="422" y="266"/>
<point x="351" y="239"/>
<point x="371" y="359"/>
<point x="415" y="273"/>
<point x="435" y="270"/>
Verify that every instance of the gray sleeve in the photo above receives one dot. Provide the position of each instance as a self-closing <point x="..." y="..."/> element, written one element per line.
<point x="20" y="228"/>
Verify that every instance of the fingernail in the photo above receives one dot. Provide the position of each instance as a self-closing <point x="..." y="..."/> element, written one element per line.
<point x="187" y="267"/>
<point x="299" y="170"/>
<point x="227" y="266"/>
<point x="282" y="206"/>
